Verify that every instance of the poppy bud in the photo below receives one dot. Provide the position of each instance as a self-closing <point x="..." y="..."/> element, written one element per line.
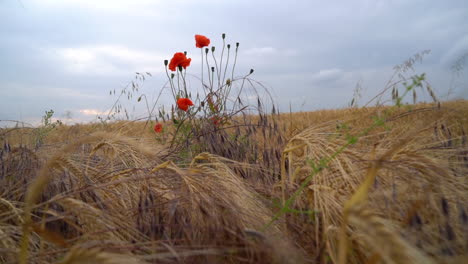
<point x="228" y="46"/>
<point x="172" y="75"/>
<point x="185" y="53"/>
<point x="223" y="35"/>
<point x="212" y="49"/>
<point x="180" y="68"/>
<point x="212" y="69"/>
<point x="166" y="62"/>
<point x="237" y="44"/>
<point x="206" y="50"/>
<point x="251" y="71"/>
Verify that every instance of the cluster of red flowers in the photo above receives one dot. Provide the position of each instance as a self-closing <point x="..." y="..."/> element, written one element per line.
<point x="180" y="60"/>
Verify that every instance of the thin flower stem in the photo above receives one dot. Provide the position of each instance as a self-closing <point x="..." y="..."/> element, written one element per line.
<point x="212" y="80"/>
<point x="225" y="67"/>
<point x="221" y="60"/>
<point x="171" y="83"/>
<point x="201" y="50"/>
<point x="208" y="69"/>
<point x="228" y="91"/>
<point x="178" y="82"/>
<point x="217" y="70"/>
<point x="224" y="76"/>
<point x="171" y="80"/>
<point x="155" y="103"/>
<point x="235" y="61"/>
<point x="240" y="90"/>
<point x="242" y="85"/>
<point x="185" y="83"/>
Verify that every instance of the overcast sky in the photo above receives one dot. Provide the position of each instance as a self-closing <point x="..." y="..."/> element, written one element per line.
<point x="67" y="55"/>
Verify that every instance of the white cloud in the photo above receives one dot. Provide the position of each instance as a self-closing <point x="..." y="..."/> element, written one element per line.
<point x="139" y="8"/>
<point x="133" y="56"/>
<point x="108" y="60"/>
<point x="327" y="74"/>
<point x="108" y="5"/>
<point x="41" y="91"/>
<point x="78" y="55"/>
<point x="92" y="112"/>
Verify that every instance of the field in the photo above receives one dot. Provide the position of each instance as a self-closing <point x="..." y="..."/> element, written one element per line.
<point x="354" y="185"/>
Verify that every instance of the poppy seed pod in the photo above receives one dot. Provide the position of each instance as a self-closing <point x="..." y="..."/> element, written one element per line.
<point x="206" y="50"/>
<point x="212" y="69"/>
<point x="212" y="49"/>
<point x="228" y="46"/>
<point x="166" y="62"/>
<point x="223" y="35"/>
<point x="237" y="44"/>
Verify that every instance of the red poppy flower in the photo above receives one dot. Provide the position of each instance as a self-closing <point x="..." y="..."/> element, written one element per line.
<point x="201" y="41"/>
<point x="184" y="103"/>
<point x="158" y="128"/>
<point x="179" y="59"/>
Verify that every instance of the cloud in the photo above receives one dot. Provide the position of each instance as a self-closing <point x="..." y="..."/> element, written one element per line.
<point x="44" y="91"/>
<point x="107" y="5"/>
<point x="92" y="112"/>
<point x="68" y="54"/>
<point x="326" y="75"/>
<point x="109" y="60"/>
<point x="260" y="51"/>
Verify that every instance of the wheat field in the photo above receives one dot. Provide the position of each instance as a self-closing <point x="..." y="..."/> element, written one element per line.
<point x="282" y="189"/>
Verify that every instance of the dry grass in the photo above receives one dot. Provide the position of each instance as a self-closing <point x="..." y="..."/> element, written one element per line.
<point x="419" y="178"/>
<point x="113" y="194"/>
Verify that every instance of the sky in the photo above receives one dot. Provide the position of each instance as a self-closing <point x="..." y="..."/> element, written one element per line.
<point x="66" y="55"/>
